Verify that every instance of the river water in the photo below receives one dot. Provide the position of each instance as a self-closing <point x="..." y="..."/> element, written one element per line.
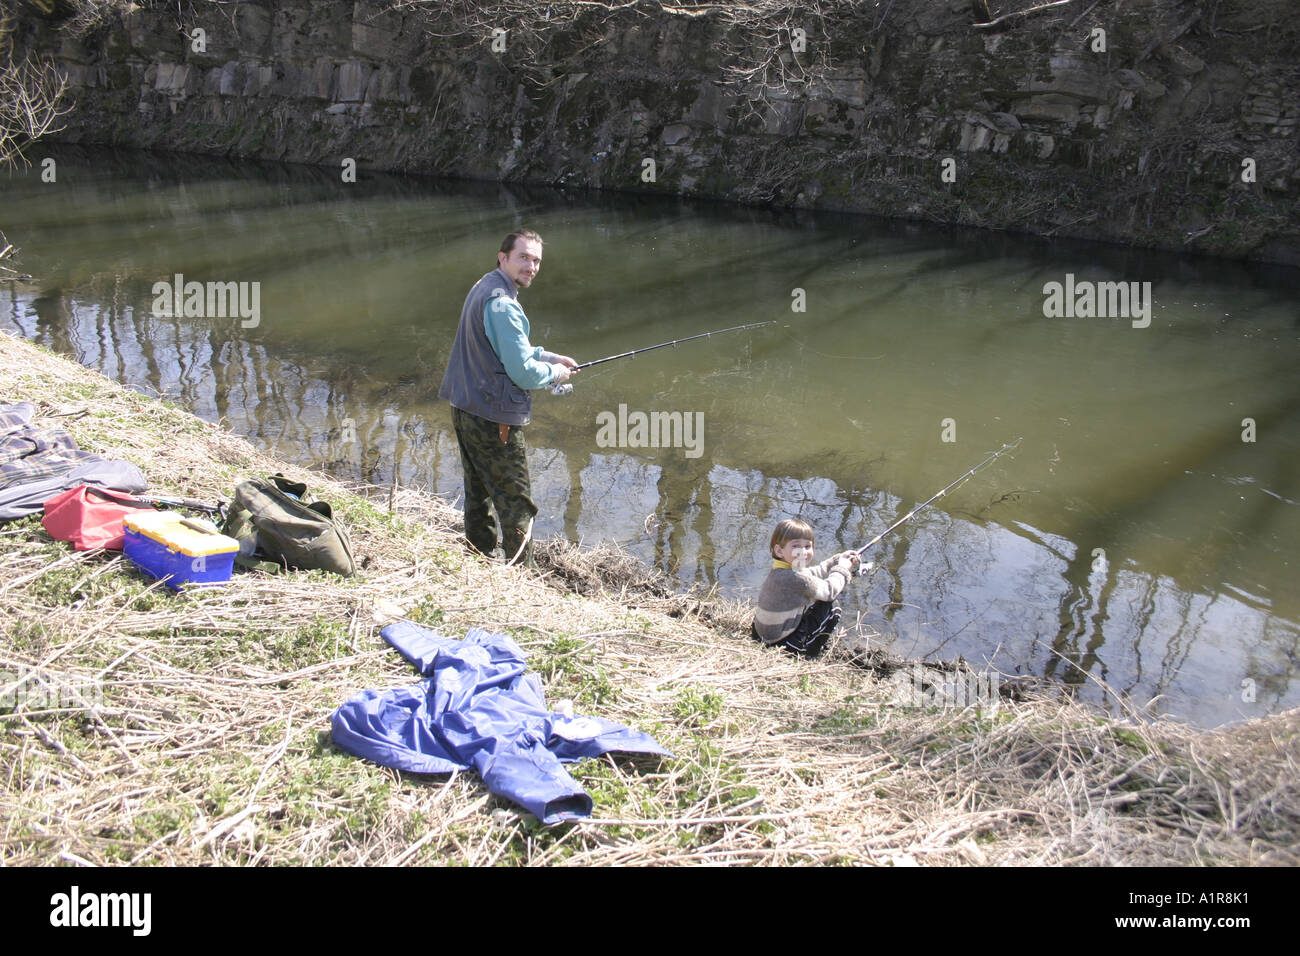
<point x="1145" y="533"/>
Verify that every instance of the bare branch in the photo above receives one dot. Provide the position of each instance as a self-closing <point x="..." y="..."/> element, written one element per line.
<point x="757" y="54"/>
<point x="991" y="24"/>
<point x="31" y="101"/>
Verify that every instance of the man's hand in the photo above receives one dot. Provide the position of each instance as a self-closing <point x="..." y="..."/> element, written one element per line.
<point x="565" y="367"/>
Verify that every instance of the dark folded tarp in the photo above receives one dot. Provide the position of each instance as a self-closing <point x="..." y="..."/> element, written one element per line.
<point x="480" y="708"/>
<point x="38" y="463"/>
<point x="15" y="415"/>
<point x="18" y="501"/>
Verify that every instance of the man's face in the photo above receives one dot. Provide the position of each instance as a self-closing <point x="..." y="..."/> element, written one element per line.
<point x="522" y="262"/>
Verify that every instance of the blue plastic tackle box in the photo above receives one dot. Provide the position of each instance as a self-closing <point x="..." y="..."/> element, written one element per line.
<point x="181" y="551"/>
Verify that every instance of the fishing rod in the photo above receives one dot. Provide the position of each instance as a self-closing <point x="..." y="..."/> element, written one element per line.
<point x="170" y="501"/>
<point x="939" y="494"/>
<point x="565" y="389"/>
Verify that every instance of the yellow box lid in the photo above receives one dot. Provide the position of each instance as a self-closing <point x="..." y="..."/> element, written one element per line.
<point x="179" y="533"/>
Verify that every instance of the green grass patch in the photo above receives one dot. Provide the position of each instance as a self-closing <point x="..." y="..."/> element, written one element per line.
<point x="697" y="708"/>
<point x="847" y="719"/>
<point x="570" y="670"/>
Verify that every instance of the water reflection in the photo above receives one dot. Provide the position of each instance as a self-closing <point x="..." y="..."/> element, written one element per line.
<point x="1134" y="537"/>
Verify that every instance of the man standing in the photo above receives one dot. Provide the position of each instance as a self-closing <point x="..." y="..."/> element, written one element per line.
<point x="491" y="369"/>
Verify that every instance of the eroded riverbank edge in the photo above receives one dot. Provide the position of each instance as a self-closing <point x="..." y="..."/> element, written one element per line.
<point x="210" y="740"/>
<point x="1148" y="123"/>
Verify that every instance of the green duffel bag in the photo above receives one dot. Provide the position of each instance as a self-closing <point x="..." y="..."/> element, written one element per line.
<point x="276" y="530"/>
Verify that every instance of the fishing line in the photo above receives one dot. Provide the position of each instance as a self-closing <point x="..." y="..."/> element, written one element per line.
<point x="834" y="355"/>
<point x="936" y="496"/>
<point x="565" y="388"/>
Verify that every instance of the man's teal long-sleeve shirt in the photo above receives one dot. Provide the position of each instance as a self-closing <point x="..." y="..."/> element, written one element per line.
<point x="507" y="329"/>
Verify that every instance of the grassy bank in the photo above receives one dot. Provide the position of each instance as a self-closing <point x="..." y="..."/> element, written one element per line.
<point x="209" y="739"/>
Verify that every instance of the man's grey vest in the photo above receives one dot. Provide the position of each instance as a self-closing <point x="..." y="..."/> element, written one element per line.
<point x="476" y="380"/>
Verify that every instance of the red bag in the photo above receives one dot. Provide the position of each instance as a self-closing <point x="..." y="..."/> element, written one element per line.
<point x="90" y="517"/>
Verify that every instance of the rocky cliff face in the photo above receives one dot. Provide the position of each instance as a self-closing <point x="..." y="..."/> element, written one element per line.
<point x="1169" y="123"/>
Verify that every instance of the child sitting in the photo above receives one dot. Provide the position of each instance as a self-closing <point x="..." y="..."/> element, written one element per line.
<point x="794" y="605"/>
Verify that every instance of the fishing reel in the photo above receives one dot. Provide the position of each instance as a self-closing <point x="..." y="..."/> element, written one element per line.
<point x="562" y="389"/>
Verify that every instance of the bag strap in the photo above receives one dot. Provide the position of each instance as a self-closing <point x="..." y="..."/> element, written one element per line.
<point x="118" y="498"/>
<point x="295" y="489"/>
<point x="259" y="564"/>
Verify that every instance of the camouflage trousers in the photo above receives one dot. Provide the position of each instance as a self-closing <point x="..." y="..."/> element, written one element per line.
<point x="496" y="478"/>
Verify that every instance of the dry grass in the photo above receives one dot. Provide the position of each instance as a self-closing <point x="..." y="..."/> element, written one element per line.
<point x="203" y="732"/>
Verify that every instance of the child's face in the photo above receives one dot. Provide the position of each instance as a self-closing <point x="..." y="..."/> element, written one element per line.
<point x="797" y="552"/>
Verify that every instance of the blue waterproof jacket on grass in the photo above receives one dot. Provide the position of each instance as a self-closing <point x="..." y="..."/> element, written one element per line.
<point x="480" y="708"/>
